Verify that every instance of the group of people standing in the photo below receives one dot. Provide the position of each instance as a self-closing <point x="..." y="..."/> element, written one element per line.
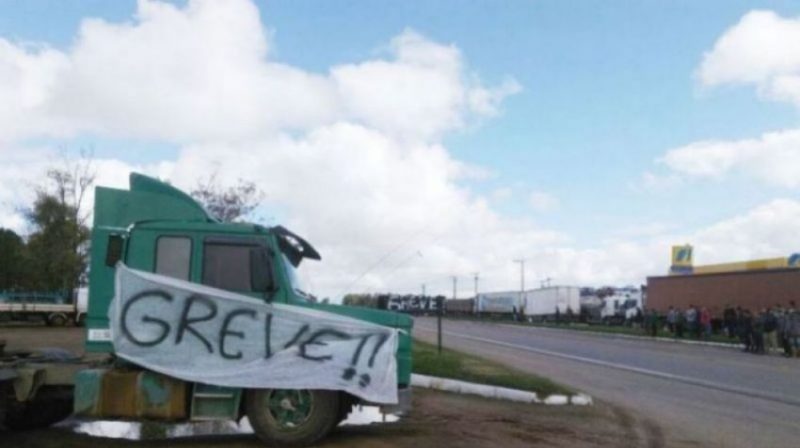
<point x="774" y="328"/>
<point x="694" y="321"/>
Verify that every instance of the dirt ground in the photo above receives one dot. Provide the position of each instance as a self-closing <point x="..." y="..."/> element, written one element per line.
<point x="437" y="419"/>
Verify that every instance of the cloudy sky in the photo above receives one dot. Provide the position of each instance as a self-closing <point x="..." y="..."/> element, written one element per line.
<point x="417" y="141"/>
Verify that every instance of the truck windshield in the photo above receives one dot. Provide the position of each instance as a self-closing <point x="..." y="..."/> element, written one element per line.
<point x="294" y="279"/>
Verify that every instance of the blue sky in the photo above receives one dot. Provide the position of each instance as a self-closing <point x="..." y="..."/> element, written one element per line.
<point x="607" y="89"/>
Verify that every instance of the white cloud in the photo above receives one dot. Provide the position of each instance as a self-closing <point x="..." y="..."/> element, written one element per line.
<point x="501" y="194"/>
<point x="542" y="201"/>
<point x="351" y="158"/>
<point x="24" y="169"/>
<point x="204" y="72"/>
<point x="773" y="158"/>
<point x="28" y="74"/>
<point x="763" y="232"/>
<point x="421" y="93"/>
<point x="758" y="50"/>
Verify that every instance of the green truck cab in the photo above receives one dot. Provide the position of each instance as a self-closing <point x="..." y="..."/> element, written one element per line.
<point x="157" y="228"/>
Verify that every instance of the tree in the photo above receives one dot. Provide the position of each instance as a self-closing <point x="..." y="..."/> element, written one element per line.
<point x="13" y="262"/>
<point x="228" y="204"/>
<point x="58" y="246"/>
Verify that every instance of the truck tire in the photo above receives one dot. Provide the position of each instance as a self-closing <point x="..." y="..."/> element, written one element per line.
<point x="38" y="415"/>
<point x="5" y="391"/>
<point x="56" y="320"/>
<point x="282" y="417"/>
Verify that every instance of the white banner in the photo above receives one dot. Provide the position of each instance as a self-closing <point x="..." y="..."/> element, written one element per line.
<point x="207" y="335"/>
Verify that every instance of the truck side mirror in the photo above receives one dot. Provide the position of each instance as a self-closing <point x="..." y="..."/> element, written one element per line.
<point x="261" y="270"/>
<point x="114" y="250"/>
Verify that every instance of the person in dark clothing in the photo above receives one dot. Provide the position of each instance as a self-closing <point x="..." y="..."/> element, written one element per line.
<point x="770" y="330"/>
<point x="680" y="323"/>
<point x="745" y="326"/>
<point x="729" y="320"/>
<point x="759" y="323"/>
<point x="652" y="322"/>
<point x="783" y="317"/>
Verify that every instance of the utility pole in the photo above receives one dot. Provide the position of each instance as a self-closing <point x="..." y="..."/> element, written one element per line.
<point x="521" y="262"/>
<point x="423" y="290"/>
<point x="440" y="311"/>
<point x="476" y="296"/>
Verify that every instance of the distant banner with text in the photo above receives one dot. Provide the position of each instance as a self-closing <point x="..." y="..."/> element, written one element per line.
<point x="207" y="335"/>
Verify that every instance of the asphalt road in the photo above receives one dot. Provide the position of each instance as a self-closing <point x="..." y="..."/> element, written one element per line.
<point x="685" y="395"/>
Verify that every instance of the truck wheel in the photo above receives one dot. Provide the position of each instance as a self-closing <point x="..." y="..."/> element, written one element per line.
<point x="48" y="408"/>
<point x="282" y="417"/>
<point x="56" y="320"/>
<point x="5" y="391"/>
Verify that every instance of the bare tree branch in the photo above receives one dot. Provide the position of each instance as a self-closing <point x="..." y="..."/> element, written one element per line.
<point x="228" y="204"/>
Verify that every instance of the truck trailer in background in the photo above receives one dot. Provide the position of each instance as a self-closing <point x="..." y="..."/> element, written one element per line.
<point x="543" y="302"/>
<point x="748" y="289"/>
<point x="54" y="309"/>
<point x="501" y="303"/>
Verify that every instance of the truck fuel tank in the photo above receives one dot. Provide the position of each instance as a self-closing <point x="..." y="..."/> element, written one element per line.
<point x="134" y="394"/>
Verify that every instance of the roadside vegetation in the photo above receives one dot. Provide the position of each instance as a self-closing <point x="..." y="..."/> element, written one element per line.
<point x="627" y="330"/>
<point x="605" y="329"/>
<point x="460" y="366"/>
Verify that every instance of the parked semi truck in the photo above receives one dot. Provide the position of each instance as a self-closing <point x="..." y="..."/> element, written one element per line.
<point x="154" y="227"/>
<point x="53" y="308"/>
<point x="622" y="306"/>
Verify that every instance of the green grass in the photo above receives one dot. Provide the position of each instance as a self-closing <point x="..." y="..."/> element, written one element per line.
<point x="631" y="331"/>
<point x="608" y="329"/>
<point x="460" y="366"/>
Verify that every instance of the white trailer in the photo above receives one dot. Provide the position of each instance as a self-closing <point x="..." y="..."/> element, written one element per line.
<point x="545" y="301"/>
<point x="55" y="314"/>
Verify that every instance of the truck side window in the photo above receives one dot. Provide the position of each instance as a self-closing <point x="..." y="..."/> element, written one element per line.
<point x="227" y="266"/>
<point x="173" y="256"/>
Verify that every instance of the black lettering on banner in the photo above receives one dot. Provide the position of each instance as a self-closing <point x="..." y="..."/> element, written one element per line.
<point x="268" y="336"/>
<point x="357" y="353"/>
<point x="303" y="330"/>
<point x="316" y="339"/>
<point x="186" y="322"/>
<point x="351" y="371"/>
<point x="165" y="327"/>
<point x="382" y="340"/>
<point x="224" y="331"/>
<point x="364" y="379"/>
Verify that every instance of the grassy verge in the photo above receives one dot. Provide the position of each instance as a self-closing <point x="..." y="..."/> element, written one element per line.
<point x="630" y="331"/>
<point x="460" y="366"/>
<point x="600" y="328"/>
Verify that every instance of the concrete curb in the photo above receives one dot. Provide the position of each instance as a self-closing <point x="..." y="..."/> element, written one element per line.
<point x="500" y="393"/>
